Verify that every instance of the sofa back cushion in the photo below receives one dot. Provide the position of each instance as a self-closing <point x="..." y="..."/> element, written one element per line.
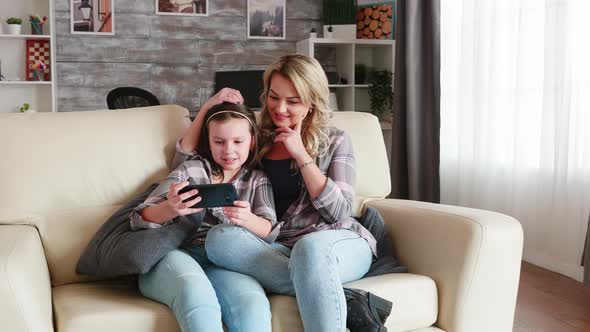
<point x="75" y="169"/>
<point x="66" y="173"/>
<point x="372" y="167"/>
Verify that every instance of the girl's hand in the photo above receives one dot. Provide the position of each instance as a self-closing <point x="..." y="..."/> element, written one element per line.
<point x="224" y="95"/>
<point x="291" y="138"/>
<point x="175" y="201"/>
<point x="240" y="213"/>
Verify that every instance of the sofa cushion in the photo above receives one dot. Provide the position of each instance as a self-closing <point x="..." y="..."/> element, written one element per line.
<point x="372" y="167"/>
<point x="414" y="297"/>
<point x="104" y="306"/>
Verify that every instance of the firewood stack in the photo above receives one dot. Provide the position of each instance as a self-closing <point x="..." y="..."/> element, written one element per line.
<point x="374" y="22"/>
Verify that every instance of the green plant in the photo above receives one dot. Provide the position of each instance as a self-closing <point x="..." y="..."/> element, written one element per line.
<point x="360" y="73"/>
<point x="330" y="29"/>
<point x="24" y="108"/>
<point x="381" y="93"/>
<point x="14" y="20"/>
<point x="339" y="12"/>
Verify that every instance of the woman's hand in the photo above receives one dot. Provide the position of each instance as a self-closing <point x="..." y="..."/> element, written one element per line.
<point x="224" y="95"/>
<point x="175" y="201"/>
<point x="190" y="139"/>
<point x="239" y="214"/>
<point x="292" y="140"/>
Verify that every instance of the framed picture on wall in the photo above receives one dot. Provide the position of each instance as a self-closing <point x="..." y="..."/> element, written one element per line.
<point x="266" y="19"/>
<point x="182" y="7"/>
<point x="375" y="19"/>
<point x="92" y="17"/>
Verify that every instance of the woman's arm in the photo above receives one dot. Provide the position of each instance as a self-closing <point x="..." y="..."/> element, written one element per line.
<point x="315" y="180"/>
<point x="335" y="201"/>
<point x="190" y="140"/>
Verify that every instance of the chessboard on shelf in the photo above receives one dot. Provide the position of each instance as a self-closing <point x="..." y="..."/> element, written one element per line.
<point x="37" y="60"/>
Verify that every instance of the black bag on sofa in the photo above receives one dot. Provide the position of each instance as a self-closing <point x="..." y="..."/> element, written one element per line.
<point x="116" y="250"/>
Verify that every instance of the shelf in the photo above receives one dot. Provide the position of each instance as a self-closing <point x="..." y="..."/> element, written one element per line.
<point x="24" y="36"/>
<point x="341" y="56"/>
<point x="348" y="85"/>
<point x="336" y="41"/>
<point x="25" y="82"/>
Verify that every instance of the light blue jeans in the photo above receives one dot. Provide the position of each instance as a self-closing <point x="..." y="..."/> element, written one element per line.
<point x="313" y="271"/>
<point x="198" y="293"/>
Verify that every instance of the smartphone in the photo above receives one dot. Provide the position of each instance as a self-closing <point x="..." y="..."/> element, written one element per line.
<point x="212" y="195"/>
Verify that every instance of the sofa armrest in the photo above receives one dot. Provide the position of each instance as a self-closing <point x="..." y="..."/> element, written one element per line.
<point x="474" y="257"/>
<point x="25" y="287"/>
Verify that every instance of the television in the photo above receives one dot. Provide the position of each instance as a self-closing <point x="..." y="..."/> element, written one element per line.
<point x="248" y="82"/>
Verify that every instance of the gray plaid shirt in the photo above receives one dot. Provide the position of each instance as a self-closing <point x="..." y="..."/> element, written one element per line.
<point x="251" y="185"/>
<point x="332" y="209"/>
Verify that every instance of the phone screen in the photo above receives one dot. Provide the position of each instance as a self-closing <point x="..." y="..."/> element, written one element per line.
<point x="212" y="195"/>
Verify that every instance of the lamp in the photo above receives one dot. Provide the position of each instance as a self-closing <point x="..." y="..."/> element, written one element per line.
<point x="86" y="9"/>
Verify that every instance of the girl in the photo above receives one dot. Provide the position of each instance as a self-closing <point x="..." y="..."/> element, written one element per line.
<point x="185" y="280"/>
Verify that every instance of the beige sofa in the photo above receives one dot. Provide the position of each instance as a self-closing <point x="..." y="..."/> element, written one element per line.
<point x="63" y="174"/>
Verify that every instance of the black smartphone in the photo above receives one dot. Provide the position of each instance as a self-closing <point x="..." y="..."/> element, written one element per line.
<point x="212" y="195"/>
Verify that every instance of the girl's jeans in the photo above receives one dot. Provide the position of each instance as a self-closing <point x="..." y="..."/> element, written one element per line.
<point x="194" y="289"/>
<point x="314" y="270"/>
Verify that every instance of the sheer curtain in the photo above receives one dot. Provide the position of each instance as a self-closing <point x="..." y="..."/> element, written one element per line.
<point x="515" y="119"/>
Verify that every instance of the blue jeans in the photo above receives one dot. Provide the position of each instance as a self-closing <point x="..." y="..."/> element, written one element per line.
<point x="198" y="293"/>
<point x="313" y="271"/>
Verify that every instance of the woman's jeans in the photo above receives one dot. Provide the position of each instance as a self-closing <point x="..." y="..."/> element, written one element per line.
<point x="194" y="289"/>
<point x="314" y="270"/>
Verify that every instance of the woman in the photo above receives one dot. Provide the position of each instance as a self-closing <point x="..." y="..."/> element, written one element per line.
<point x="312" y="170"/>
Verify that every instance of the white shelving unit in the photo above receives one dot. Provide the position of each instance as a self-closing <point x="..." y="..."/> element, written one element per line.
<point x="376" y="54"/>
<point x="41" y="95"/>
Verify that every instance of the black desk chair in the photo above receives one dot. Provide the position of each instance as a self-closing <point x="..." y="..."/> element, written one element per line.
<point x="129" y="97"/>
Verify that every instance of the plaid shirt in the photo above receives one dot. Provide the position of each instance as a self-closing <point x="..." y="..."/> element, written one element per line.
<point x="332" y="209"/>
<point x="251" y="185"/>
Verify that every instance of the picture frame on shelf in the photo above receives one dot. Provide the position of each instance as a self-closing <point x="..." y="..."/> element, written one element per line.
<point x="182" y="7"/>
<point x="266" y="19"/>
<point x="92" y="17"/>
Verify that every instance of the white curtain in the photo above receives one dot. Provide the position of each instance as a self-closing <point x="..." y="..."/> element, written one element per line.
<point x="515" y="119"/>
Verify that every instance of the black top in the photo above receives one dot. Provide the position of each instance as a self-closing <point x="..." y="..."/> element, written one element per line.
<point x="286" y="184"/>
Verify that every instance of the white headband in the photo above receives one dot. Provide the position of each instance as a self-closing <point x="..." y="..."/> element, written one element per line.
<point x="228" y="111"/>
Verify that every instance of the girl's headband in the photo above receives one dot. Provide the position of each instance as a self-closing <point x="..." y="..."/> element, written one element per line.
<point x="228" y="111"/>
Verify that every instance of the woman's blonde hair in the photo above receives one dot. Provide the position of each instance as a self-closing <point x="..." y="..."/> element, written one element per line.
<point x="311" y="84"/>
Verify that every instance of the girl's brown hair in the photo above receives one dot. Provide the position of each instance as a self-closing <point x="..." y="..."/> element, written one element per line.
<point x="224" y="112"/>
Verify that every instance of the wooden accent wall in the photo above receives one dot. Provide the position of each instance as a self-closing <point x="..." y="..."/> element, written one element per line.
<point x="174" y="57"/>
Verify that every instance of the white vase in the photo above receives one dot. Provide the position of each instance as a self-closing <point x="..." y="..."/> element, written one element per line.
<point x="14" y="29"/>
<point x="313" y="35"/>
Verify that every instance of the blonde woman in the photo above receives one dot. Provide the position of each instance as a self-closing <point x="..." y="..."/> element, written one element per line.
<point x="318" y="246"/>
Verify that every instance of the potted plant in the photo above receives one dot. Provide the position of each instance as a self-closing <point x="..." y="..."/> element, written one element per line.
<point x="26" y="108"/>
<point x="329" y="32"/>
<point x="14" y="25"/>
<point x="313" y="33"/>
<point x="360" y="73"/>
<point x="381" y="94"/>
<point x="341" y="16"/>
